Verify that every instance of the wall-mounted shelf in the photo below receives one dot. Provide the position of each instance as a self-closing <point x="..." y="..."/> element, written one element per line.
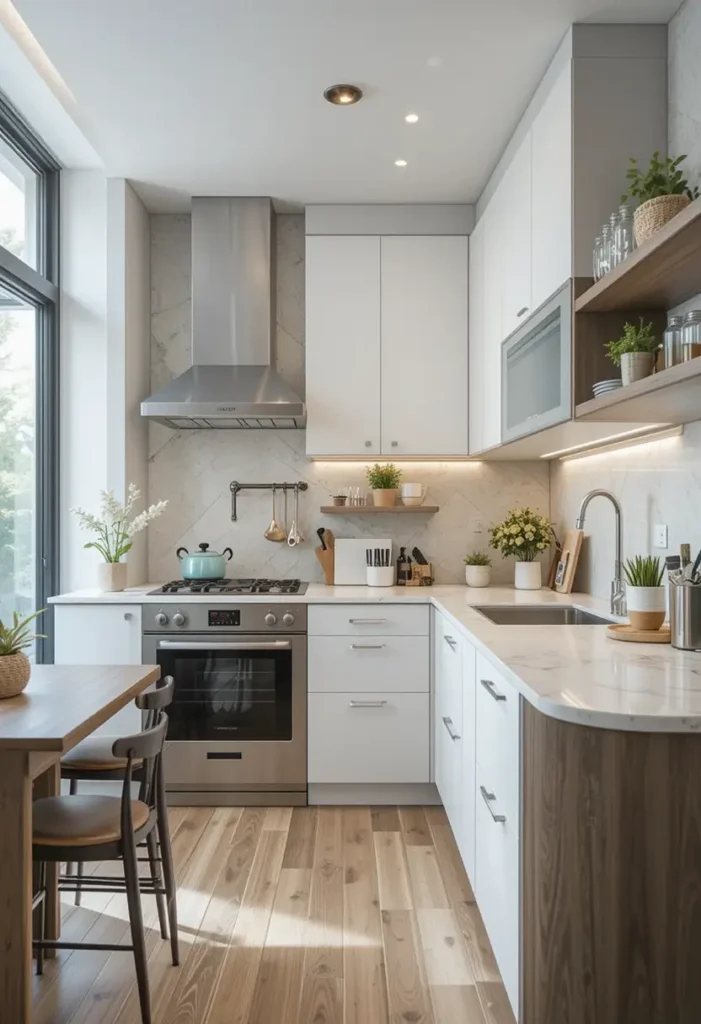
<point x="663" y="272"/>
<point x="371" y="510"/>
<point x="670" y="396"/>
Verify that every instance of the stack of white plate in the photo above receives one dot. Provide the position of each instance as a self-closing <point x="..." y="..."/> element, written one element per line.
<point x="604" y="386"/>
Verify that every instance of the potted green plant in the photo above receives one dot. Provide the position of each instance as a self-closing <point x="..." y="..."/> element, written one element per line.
<point x="662" y="192"/>
<point x="634" y="352"/>
<point x="384" y="481"/>
<point x="15" y="668"/>
<point x="115" y="526"/>
<point x="478" y="569"/>
<point x="523" y="535"/>
<point x="645" y="592"/>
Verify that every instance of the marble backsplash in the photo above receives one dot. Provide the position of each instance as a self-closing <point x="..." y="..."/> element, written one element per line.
<point x="193" y="469"/>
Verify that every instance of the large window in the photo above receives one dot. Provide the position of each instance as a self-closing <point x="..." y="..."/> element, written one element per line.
<point x="28" y="374"/>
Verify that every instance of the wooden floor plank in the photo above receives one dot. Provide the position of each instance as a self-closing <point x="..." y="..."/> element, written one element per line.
<point x="495" y="1003"/>
<point x="479" y="948"/>
<point x="301" y="838"/>
<point x="322" y="1001"/>
<point x="435" y="816"/>
<point x="278" y="819"/>
<point x="407" y="989"/>
<point x="324" y="954"/>
<point x="444" y="951"/>
<point x="392" y="872"/>
<point x="426" y="879"/>
<point x="454" y="1004"/>
<point x="415" y="827"/>
<point x="456" y="882"/>
<point x="386" y="819"/>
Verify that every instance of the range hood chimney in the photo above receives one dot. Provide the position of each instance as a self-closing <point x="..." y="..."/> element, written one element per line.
<point x="232" y="383"/>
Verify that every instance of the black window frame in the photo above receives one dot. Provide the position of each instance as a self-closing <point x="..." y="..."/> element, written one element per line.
<point x="40" y="288"/>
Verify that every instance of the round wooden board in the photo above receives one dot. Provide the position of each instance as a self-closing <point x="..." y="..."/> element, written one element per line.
<point x="640" y="636"/>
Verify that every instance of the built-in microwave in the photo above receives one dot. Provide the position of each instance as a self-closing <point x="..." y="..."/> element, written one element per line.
<point x="536" y="370"/>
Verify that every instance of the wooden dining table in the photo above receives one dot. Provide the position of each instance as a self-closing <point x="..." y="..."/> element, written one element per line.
<point x="61" y="705"/>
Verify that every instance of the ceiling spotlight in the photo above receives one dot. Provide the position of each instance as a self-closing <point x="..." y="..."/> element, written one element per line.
<point x="411" y="118"/>
<point x="343" y="95"/>
<point x="400" y="163"/>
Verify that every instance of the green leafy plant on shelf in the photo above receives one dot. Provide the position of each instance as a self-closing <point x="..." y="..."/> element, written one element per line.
<point x="383" y="478"/>
<point x="477" y="558"/>
<point x="662" y="178"/>
<point x="635" y="339"/>
<point x="15" y="638"/>
<point x="643" y="571"/>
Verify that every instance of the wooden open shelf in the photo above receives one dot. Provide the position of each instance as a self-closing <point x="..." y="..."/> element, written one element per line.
<point x="671" y="396"/>
<point x="663" y="272"/>
<point x="371" y="510"/>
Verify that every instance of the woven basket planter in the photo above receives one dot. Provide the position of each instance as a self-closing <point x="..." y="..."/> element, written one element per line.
<point x="14" y="674"/>
<point x="654" y="214"/>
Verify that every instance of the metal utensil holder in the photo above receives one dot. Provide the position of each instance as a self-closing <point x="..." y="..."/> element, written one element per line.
<point x="685" y="615"/>
<point x="235" y="487"/>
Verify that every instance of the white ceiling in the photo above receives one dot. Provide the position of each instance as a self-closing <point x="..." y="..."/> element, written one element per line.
<point x="224" y="97"/>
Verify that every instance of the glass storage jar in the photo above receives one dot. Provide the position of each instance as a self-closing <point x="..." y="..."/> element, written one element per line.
<point x="624" y="240"/>
<point x="691" y="335"/>
<point x="672" y="341"/>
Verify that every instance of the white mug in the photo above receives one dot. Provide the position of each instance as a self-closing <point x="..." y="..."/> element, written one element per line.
<point x="413" y="494"/>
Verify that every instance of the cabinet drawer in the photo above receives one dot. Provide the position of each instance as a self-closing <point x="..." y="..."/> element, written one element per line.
<point x="386" y="741"/>
<point x="367" y="620"/>
<point x="341" y="664"/>
<point x="497" y="885"/>
<point x="498" y="736"/>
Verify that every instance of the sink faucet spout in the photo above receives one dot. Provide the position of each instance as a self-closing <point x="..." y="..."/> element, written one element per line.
<point x="618" y="590"/>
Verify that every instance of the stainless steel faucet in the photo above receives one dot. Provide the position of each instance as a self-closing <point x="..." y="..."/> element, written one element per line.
<point x="618" y="588"/>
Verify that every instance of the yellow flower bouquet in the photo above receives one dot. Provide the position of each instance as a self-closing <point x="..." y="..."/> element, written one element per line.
<point x="523" y="535"/>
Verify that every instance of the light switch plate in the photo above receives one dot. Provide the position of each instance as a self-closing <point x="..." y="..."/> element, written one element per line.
<point x="660" y="536"/>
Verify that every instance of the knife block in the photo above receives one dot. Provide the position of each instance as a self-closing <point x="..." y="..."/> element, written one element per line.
<point x="421" y="575"/>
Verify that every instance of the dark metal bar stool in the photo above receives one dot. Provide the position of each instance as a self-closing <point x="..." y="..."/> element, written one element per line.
<point x="95" y="828"/>
<point x="93" y="760"/>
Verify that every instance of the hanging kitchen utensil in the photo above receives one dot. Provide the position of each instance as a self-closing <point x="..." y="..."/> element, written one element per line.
<point x="294" y="537"/>
<point x="274" y="531"/>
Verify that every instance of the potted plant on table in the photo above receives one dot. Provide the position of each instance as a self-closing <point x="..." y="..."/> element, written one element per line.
<point x="478" y="569"/>
<point x="15" y="668"/>
<point x="662" y="191"/>
<point x="634" y="352"/>
<point x="115" y="527"/>
<point x="523" y="535"/>
<point x="645" y="593"/>
<point x="384" y="481"/>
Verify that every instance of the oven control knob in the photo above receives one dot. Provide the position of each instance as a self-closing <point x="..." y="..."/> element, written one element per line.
<point x="161" y="619"/>
<point x="270" y="619"/>
<point x="288" y="619"/>
<point x="179" y="619"/>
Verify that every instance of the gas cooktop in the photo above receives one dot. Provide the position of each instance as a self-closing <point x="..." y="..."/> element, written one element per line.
<point x="194" y="588"/>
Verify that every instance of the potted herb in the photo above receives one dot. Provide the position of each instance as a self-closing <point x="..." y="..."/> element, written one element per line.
<point x="645" y="592"/>
<point x="634" y="352"/>
<point x="14" y="663"/>
<point x="384" y="481"/>
<point x="478" y="569"/>
<point x="523" y="535"/>
<point x="115" y="526"/>
<point x="662" y="191"/>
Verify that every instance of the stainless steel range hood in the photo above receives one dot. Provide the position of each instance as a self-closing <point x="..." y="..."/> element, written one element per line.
<point x="232" y="383"/>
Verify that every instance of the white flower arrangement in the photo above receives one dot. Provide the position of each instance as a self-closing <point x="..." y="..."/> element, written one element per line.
<point x="113" y="526"/>
<point x="523" y="535"/>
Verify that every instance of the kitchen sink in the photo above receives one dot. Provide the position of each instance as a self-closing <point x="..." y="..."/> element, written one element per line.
<point x="538" y="615"/>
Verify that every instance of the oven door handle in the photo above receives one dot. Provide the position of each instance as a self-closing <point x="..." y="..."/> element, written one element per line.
<point x="255" y="645"/>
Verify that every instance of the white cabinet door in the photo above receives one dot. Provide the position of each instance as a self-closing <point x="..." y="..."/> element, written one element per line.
<point x="477" y="345"/>
<point x="342" y="664"/>
<point x="495" y="246"/>
<point x="515" y="239"/>
<point x="343" y="345"/>
<point x="552" y="190"/>
<point x="424" y="345"/>
<point x="466" y="835"/>
<point x="448" y="721"/>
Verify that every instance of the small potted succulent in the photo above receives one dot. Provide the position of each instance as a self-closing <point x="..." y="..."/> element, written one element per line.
<point x="523" y="535"/>
<point x="14" y="663"/>
<point x="645" y="592"/>
<point x="478" y="569"/>
<point x="634" y="352"/>
<point x="384" y="481"/>
<point x="662" y="191"/>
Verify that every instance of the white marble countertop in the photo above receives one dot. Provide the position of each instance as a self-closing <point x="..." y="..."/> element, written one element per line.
<point x="574" y="673"/>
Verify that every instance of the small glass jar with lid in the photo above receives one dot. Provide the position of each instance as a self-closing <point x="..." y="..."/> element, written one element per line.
<point x="691" y="335"/>
<point x="624" y="239"/>
<point x="672" y="341"/>
<point x="614" y="258"/>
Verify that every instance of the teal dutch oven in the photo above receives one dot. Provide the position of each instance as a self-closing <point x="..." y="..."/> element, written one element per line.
<point x="203" y="564"/>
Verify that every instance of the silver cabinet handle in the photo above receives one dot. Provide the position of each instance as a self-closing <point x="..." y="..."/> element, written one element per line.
<point x="367" y="647"/>
<point x="366" y="622"/>
<point x="368" y="444"/>
<point x="451" y="642"/>
<point x="522" y="310"/>
<point x="251" y="645"/>
<point x="492" y="690"/>
<point x="447" y="722"/>
<point x="366" y="703"/>
<point x="489" y="798"/>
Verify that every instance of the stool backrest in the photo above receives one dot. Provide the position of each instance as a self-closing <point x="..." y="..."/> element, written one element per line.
<point x="155" y="699"/>
<point x="147" y="747"/>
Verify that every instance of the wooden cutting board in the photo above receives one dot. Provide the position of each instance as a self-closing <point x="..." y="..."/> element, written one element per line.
<point x="569" y="557"/>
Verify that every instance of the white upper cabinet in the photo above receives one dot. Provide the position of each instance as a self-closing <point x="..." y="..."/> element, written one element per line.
<point x="515" y="237"/>
<point x="477" y="340"/>
<point x="494" y="246"/>
<point x="343" y="345"/>
<point x="424" y="345"/>
<point x="551" y="205"/>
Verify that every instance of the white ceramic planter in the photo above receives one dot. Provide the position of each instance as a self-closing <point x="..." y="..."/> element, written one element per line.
<point x="111" y="576"/>
<point x="527" y="576"/>
<point x="478" y="575"/>
<point x="646" y="607"/>
<point x="636" y="366"/>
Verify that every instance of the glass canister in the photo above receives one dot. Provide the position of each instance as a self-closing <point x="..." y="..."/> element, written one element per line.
<point x="596" y="259"/>
<point x="614" y="258"/>
<point x="605" y="261"/>
<point x="672" y="341"/>
<point x="691" y="335"/>
<point x="624" y="240"/>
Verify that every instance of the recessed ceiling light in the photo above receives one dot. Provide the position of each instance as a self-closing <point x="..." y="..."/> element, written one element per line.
<point x="411" y="118"/>
<point x="400" y="163"/>
<point x="343" y="95"/>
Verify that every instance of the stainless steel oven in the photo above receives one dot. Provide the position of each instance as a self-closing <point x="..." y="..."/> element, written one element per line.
<point x="237" y="731"/>
<point x="536" y="370"/>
